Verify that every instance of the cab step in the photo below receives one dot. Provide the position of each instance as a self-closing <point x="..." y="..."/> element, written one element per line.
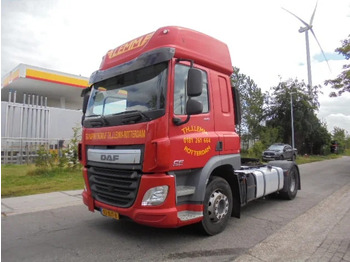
<point x="185" y="190"/>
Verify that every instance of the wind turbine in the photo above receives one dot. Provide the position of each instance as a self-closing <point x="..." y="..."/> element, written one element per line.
<point x="305" y="30"/>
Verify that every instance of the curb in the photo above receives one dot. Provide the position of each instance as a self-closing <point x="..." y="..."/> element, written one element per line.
<point x="40" y="202"/>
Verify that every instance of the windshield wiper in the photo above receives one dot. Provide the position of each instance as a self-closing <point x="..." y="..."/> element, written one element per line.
<point x="126" y="117"/>
<point x="97" y="121"/>
<point x="133" y="116"/>
<point x="140" y="113"/>
<point x="103" y="117"/>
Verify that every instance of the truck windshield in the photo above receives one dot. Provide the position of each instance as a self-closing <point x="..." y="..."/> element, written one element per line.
<point x="142" y="91"/>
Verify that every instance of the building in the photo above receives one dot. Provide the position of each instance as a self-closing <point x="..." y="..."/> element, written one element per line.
<point x="39" y="107"/>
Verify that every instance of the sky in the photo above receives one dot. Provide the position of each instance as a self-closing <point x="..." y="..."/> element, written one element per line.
<point x="72" y="36"/>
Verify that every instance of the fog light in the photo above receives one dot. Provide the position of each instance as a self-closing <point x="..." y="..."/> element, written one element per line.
<point x="155" y="196"/>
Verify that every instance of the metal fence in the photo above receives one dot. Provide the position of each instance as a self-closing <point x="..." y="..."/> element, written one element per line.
<point x="25" y="150"/>
<point x="30" y="126"/>
<point x="28" y="119"/>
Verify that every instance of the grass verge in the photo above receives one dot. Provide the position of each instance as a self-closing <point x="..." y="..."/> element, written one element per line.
<point x="309" y="159"/>
<point x="21" y="180"/>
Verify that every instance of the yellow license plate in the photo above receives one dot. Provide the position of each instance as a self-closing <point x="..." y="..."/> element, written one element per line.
<point x="109" y="213"/>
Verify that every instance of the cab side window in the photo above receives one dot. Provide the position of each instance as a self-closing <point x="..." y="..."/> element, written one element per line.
<point x="180" y="93"/>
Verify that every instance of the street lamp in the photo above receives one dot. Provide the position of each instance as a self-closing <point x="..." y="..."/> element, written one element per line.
<point x="292" y="118"/>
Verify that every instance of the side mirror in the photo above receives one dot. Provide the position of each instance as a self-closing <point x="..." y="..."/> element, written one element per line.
<point x="85" y="103"/>
<point x="194" y="107"/>
<point x="86" y="94"/>
<point x="194" y="89"/>
<point x="194" y="82"/>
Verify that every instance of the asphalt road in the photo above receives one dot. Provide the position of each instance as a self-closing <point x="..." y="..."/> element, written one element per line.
<point x="75" y="234"/>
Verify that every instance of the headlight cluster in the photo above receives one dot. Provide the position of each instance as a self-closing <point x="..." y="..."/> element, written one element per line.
<point x="155" y="196"/>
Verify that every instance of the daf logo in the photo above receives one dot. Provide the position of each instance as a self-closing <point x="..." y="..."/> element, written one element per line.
<point x="109" y="157"/>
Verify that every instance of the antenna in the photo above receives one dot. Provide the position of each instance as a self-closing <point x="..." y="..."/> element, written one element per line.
<point x="305" y="30"/>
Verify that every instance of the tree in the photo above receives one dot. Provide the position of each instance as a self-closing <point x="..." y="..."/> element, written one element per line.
<point x="310" y="135"/>
<point x="252" y="104"/>
<point x="342" y="82"/>
<point x="339" y="136"/>
<point x="269" y="136"/>
<point x="319" y="139"/>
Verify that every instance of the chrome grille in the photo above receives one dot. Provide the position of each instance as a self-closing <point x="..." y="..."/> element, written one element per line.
<point x="114" y="187"/>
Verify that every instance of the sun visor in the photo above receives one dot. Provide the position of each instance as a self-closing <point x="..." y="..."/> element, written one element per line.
<point x="147" y="59"/>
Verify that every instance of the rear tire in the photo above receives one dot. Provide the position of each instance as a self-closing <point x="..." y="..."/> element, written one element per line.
<point x="218" y="204"/>
<point x="291" y="179"/>
<point x="292" y="184"/>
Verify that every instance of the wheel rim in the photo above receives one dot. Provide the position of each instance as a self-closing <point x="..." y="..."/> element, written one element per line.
<point x="218" y="206"/>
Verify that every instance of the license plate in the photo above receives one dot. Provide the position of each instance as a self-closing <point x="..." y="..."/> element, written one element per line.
<point x="109" y="213"/>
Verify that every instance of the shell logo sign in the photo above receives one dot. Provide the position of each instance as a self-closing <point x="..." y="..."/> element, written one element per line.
<point x="131" y="45"/>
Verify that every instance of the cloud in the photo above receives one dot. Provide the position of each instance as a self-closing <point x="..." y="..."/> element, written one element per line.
<point x="335" y="111"/>
<point x="338" y="120"/>
<point x="26" y="28"/>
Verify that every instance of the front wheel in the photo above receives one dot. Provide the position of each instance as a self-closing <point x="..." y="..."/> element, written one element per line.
<point x="217" y="206"/>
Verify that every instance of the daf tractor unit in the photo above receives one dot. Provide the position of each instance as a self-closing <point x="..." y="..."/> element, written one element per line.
<point x="159" y="140"/>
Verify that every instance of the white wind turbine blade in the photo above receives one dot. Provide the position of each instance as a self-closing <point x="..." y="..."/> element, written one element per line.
<point x="313" y="14"/>
<point x="306" y="24"/>
<point x="312" y="31"/>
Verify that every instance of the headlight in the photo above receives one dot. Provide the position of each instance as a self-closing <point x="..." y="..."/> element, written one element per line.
<point x="155" y="196"/>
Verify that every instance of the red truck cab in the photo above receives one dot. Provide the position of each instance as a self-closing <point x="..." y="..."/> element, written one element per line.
<point x="159" y="142"/>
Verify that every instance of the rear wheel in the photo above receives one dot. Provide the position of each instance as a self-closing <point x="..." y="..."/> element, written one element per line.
<point x="217" y="206"/>
<point x="291" y="179"/>
<point x="292" y="184"/>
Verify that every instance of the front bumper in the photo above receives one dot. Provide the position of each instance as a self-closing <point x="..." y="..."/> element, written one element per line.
<point x="167" y="215"/>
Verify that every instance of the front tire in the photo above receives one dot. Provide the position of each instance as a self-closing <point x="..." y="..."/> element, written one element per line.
<point x="218" y="204"/>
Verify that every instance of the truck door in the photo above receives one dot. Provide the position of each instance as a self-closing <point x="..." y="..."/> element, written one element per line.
<point x="192" y="143"/>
